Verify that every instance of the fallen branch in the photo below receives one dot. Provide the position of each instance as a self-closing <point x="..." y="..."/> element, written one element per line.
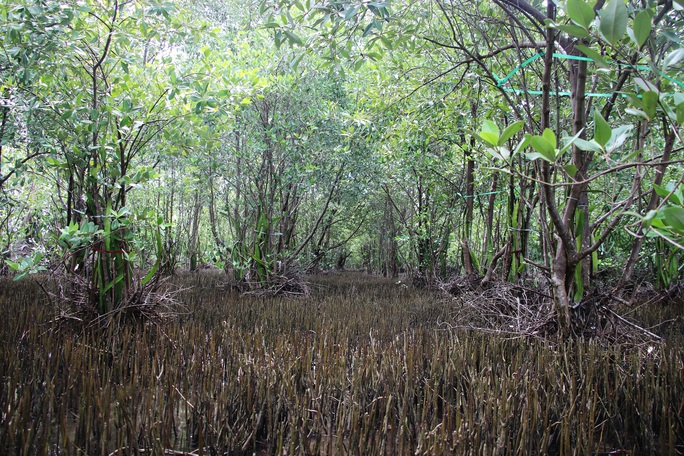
<point x="635" y="326"/>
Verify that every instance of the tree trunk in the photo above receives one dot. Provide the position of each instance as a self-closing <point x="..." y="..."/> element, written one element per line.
<point x="652" y="204"/>
<point x="469" y="205"/>
<point x="559" y="267"/>
<point x="193" y="240"/>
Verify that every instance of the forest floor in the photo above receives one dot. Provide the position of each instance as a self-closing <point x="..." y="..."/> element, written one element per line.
<point x="363" y="365"/>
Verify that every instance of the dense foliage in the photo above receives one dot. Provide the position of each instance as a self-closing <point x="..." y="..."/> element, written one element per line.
<point x="510" y="140"/>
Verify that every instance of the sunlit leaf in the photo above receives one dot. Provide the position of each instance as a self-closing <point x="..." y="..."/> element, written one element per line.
<point x="550" y="136"/>
<point x="537" y="155"/>
<point x="489" y="137"/>
<point x="588" y="146"/>
<point x="349" y="13"/>
<point x="637" y="112"/>
<point x="490" y="127"/>
<point x="545" y="148"/>
<point x="510" y="131"/>
<point x="293" y="39"/>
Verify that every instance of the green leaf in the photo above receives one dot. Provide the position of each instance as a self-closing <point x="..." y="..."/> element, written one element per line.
<point x="109" y="286"/>
<point x="642" y="27"/>
<point x="614" y="21"/>
<point x="386" y="42"/>
<point x="618" y="137"/>
<point x="537" y="155"/>
<point x="489" y="126"/>
<point x="568" y="142"/>
<point x="602" y="130"/>
<point x="674" y="218"/>
<point x="296" y="61"/>
<point x="671" y="36"/>
<point x="677" y="196"/>
<point x="573" y="30"/>
<point x="661" y="191"/>
<point x="593" y="55"/>
<point x="510" y="131"/>
<point x="489" y="138"/>
<point x="637" y="112"/>
<point x="570" y="169"/>
<point x="645" y="85"/>
<point x="294" y="39"/>
<point x="545" y="148"/>
<point x="504" y="153"/>
<point x="650" y="103"/>
<point x="489" y="133"/>
<point x="550" y="136"/>
<point x="350" y="13"/>
<point x="589" y="146"/>
<point x="524" y="142"/>
<point x="673" y="58"/>
<point x="150" y="274"/>
<point x="680" y="113"/>
<point x="678" y="98"/>
<point x="648" y="218"/>
<point x="580" y="12"/>
<point x="664" y="192"/>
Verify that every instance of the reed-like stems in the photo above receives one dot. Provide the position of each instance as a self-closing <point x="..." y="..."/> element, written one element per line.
<point x="363" y="366"/>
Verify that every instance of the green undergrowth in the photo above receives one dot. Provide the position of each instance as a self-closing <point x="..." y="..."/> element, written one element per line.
<point x="362" y="366"/>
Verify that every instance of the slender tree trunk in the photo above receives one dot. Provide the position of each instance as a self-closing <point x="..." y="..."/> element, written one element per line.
<point x="577" y="206"/>
<point x="511" y="235"/>
<point x="489" y="221"/>
<point x="652" y="204"/>
<point x="469" y="206"/>
<point x="193" y="240"/>
<point x="3" y="128"/>
<point x="559" y="264"/>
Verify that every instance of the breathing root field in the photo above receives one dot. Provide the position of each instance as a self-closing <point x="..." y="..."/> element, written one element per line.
<point x="363" y="365"/>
